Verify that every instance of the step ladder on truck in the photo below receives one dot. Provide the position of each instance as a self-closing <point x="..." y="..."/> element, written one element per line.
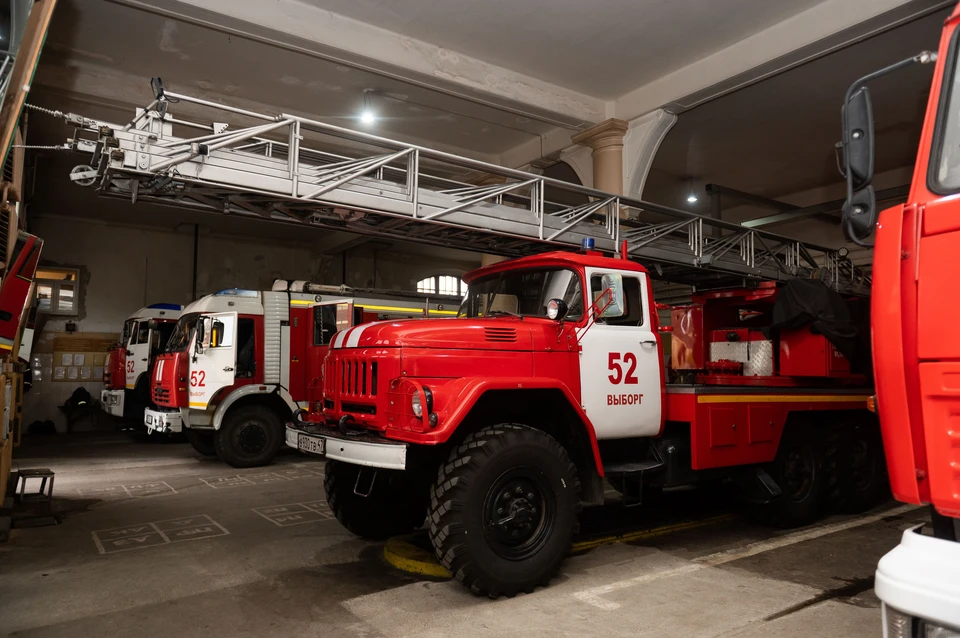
<point x="126" y="370"/>
<point x="497" y="426"/>
<point x="916" y="349"/>
<point x="241" y="362"/>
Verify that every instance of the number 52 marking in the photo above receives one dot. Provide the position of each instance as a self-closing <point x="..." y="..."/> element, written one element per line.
<point x="613" y="363"/>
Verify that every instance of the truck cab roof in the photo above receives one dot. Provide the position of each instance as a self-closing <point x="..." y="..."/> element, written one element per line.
<point x="557" y="259"/>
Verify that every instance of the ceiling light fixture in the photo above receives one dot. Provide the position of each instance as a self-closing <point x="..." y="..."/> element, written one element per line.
<point x="367" y="116"/>
<point x="692" y="198"/>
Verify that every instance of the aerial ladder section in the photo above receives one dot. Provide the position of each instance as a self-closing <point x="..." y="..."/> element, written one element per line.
<point x="258" y="164"/>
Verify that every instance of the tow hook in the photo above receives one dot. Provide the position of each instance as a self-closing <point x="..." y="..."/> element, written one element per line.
<point x="298" y="417"/>
<point x="343" y="422"/>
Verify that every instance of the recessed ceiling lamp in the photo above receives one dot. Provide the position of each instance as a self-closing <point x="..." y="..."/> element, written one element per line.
<point x="367" y="116"/>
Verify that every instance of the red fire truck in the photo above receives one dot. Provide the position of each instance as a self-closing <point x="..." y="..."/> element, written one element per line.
<point x="497" y="426"/>
<point x="242" y="361"/>
<point x="916" y="353"/>
<point x="16" y="288"/>
<point x="126" y="371"/>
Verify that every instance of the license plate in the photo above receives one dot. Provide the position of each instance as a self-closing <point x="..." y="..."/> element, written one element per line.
<point x="149" y="420"/>
<point x="310" y="444"/>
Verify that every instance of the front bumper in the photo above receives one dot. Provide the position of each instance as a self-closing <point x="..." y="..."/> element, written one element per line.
<point x="921" y="577"/>
<point x="162" y="422"/>
<point x="359" y="449"/>
<point x="112" y="402"/>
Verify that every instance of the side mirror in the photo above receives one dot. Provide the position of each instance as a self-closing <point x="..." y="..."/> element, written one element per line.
<point x="216" y="334"/>
<point x="612" y="284"/>
<point x="859" y="214"/>
<point x="557" y="309"/>
<point x="858" y="138"/>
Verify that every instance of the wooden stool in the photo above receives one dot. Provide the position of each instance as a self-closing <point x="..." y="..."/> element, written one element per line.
<point x="45" y="495"/>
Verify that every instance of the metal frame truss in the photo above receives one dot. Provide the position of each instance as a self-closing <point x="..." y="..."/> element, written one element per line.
<point x="382" y="189"/>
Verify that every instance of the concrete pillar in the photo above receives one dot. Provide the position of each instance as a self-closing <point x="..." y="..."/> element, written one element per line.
<point x="606" y="141"/>
<point x="488" y="260"/>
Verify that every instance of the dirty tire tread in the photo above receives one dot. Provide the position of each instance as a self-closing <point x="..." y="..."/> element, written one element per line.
<point x="394" y="507"/>
<point x="449" y="494"/>
<point x="202" y="442"/>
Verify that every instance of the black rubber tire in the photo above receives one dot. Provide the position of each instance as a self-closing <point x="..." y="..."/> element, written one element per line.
<point x="858" y="477"/>
<point x="463" y="490"/>
<point x="806" y="504"/>
<point x="202" y="441"/>
<point x="256" y="421"/>
<point x="394" y="505"/>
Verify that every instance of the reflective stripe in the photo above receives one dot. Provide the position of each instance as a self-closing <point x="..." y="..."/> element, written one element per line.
<point x="355" y="335"/>
<point x="785" y="398"/>
<point x="339" y="338"/>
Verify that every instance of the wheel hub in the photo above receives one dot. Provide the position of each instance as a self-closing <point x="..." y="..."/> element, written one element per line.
<point x="517" y="514"/>
<point x="251" y="438"/>
<point x="798" y="473"/>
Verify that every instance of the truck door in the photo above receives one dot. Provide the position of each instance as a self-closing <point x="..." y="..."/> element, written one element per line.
<point x="138" y="351"/>
<point x="214" y="361"/>
<point x="620" y="364"/>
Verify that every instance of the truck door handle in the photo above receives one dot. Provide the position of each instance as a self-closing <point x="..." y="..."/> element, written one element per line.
<point x="648" y="342"/>
<point x="228" y="369"/>
<point x="128" y="353"/>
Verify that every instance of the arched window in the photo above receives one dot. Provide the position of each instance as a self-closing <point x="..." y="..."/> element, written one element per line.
<point x="442" y="285"/>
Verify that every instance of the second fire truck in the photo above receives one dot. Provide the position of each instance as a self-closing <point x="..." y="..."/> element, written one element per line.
<point x="242" y="361"/>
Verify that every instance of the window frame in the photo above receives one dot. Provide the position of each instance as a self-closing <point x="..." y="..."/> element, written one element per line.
<point x="947" y="84"/>
<point x="644" y="314"/>
<point x="55" y="286"/>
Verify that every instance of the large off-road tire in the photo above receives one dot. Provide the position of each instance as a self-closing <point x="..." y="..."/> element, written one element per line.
<point x="250" y="436"/>
<point x="798" y="470"/>
<point x="855" y="466"/>
<point x="202" y="441"/>
<point x="504" y="510"/>
<point x="395" y="504"/>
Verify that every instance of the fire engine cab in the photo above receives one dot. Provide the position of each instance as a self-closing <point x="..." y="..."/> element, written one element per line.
<point x="498" y="426"/>
<point x="126" y="371"/>
<point x="242" y="361"/>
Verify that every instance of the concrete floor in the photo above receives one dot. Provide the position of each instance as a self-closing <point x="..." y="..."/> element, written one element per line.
<point x="156" y="540"/>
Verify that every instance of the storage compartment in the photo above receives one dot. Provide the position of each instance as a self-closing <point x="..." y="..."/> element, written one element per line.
<point x="723" y="426"/>
<point x="749" y="347"/>
<point x="804" y="354"/>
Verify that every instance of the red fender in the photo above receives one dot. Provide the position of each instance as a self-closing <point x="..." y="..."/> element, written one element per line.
<point x="465" y="393"/>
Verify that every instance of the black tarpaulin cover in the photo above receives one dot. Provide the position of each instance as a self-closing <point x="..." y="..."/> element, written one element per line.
<point x="846" y="324"/>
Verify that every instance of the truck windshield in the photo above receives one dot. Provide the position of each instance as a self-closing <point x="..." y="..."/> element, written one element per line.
<point x="180" y="338"/>
<point x="127" y="331"/>
<point x="524" y="293"/>
<point x="947" y="151"/>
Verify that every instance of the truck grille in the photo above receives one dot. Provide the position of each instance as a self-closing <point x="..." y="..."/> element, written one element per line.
<point x="356" y="377"/>
<point x="160" y="394"/>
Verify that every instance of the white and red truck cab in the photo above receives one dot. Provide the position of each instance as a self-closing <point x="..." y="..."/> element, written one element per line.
<point x="126" y="370"/>
<point x="497" y="426"/>
<point x="916" y="347"/>
<point x="242" y="361"/>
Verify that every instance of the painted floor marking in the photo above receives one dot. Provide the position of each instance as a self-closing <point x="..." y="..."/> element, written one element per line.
<point x="652" y="532"/>
<point x="132" y="490"/>
<point x="261" y="478"/>
<point x="295" y="513"/>
<point x="594" y="595"/>
<point x="172" y="530"/>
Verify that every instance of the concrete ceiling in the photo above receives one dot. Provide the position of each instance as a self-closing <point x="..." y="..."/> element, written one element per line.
<point x="600" y="49"/>
<point x="776" y="138"/>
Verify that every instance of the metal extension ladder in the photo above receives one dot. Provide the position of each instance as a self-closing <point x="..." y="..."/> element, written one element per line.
<point x="371" y="185"/>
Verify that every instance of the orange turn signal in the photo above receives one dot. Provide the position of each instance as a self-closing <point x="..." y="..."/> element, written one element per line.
<point x="872" y="403"/>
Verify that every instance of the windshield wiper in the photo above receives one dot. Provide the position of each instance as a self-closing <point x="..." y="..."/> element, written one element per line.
<point x="504" y="312"/>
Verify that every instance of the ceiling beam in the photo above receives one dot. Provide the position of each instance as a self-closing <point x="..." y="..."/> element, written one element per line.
<point x="887" y="194"/>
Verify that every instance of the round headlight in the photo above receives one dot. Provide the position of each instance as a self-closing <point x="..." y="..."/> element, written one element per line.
<point x="415" y="404"/>
<point x="553" y="309"/>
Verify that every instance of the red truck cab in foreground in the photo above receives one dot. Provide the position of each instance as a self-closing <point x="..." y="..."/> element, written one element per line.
<point x="497" y="426"/>
<point x="915" y="344"/>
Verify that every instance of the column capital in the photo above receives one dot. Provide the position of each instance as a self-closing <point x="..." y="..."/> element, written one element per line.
<point x="604" y="135"/>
